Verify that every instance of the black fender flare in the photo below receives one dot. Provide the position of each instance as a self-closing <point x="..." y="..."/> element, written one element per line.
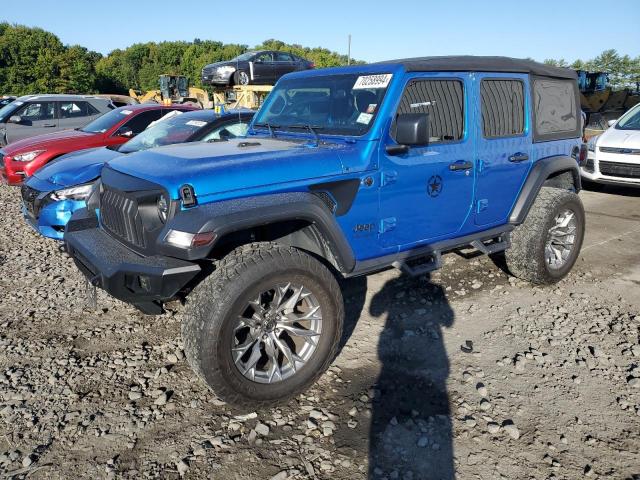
<point x="539" y="174"/>
<point x="229" y="216"/>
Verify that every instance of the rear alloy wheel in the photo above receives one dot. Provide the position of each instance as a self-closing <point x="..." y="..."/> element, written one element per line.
<point x="264" y="325"/>
<point x="547" y="244"/>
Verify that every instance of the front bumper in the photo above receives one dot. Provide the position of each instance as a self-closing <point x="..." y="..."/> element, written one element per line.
<point x="145" y="282"/>
<point x="612" y="169"/>
<point x="217" y="78"/>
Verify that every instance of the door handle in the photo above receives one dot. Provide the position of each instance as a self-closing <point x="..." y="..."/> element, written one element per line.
<point x="518" y="157"/>
<point x="49" y="125"/>
<point x="460" y="165"/>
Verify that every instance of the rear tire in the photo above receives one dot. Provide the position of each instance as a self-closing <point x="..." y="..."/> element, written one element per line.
<point x="546" y="245"/>
<point x="220" y="329"/>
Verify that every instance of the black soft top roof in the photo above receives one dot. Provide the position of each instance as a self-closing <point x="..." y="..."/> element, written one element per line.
<point x="470" y="63"/>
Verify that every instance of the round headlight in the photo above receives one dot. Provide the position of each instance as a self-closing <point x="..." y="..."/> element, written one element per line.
<point x="163" y="208"/>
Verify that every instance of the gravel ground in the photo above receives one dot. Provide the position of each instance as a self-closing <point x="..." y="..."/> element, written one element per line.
<point x="469" y="373"/>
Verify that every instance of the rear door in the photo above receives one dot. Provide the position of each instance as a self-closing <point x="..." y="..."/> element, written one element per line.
<point x="36" y="118"/>
<point x="503" y="144"/>
<point x="284" y="63"/>
<point x="75" y="113"/>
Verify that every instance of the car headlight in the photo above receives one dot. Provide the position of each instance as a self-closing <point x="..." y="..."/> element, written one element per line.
<point x="80" y="192"/>
<point x="226" y="69"/>
<point x="27" y="156"/>
<point x="591" y="144"/>
<point x="163" y="208"/>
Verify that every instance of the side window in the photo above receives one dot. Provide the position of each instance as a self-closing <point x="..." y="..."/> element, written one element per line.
<point x="283" y="57"/>
<point x="75" y="109"/>
<point x="138" y="123"/>
<point x="226" y="131"/>
<point x="37" y="111"/>
<point x="264" y="57"/>
<point x="443" y="100"/>
<point x="555" y="109"/>
<point x="502" y="108"/>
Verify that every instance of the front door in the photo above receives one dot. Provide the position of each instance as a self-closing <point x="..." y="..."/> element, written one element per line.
<point x="36" y="118"/>
<point x="427" y="193"/>
<point x="503" y="145"/>
<point x="262" y="68"/>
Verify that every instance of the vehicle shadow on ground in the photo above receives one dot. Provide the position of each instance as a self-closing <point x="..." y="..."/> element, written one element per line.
<point x="411" y="433"/>
<point x="612" y="189"/>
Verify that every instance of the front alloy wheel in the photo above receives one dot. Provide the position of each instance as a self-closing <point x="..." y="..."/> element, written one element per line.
<point x="264" y="325"/>
<point x="277" y="333"/>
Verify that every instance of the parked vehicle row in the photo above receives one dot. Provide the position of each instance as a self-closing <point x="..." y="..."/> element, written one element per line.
<point x="54" y="192"/>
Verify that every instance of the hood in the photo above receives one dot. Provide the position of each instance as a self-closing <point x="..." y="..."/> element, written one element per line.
<point x="231" y="63"/>
<point x="215" y="168"/>
<point x="46" y="140"/>
<point x="76" y="168"/>
<point x="615" y="137"/>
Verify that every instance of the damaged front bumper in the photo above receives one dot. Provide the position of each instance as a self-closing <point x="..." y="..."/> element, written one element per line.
<point x="145" y="282"/>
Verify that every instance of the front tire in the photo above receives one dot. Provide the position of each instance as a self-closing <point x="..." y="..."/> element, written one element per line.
<point x="264" y="325"/>
<point x="241" y="78"/>
<point x="547" y="244"/>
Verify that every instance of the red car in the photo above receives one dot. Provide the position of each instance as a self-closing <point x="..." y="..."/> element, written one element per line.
<point x="21" y="159"/>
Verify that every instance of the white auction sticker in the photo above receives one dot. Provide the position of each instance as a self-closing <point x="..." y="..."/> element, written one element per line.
<point x="373" y="81"/>
<point x="196" y="123"/>
<point x="364" y="118"/>
<point x="126" y="112"/>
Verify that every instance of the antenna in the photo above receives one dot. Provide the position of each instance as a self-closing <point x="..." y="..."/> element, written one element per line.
<point x="349" y="51"/>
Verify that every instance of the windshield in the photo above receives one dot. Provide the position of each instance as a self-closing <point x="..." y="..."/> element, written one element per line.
<point x="165" y="132"/>
<point x="106" y="121"/>
<point x="244" y="56"/>
<point x="629" y="121"/>
<point x="331" y="104"/>
<point x="7" y="110"/>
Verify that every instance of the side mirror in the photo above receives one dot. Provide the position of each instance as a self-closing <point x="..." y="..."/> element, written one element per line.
<point x="611" y="122"/>
<point x="124" y="132"/>
<point x="412" y="129"/>
<point x="15" y="119"/>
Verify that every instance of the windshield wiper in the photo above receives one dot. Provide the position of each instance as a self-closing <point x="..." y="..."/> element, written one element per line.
<point x="269" y="126"/>
<point x="312" y="129"/>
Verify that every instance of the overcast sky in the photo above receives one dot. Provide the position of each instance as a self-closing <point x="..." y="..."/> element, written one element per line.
<point x="380" y="30"/>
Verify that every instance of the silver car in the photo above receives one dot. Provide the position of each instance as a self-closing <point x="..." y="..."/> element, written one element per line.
<point x="32" y="115"/>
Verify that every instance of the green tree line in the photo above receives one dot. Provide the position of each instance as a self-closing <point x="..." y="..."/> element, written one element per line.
<point x="623" y="70"/>
<point x="33" y="60"/>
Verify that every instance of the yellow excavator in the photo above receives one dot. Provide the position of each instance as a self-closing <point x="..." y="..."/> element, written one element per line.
<point x="174" y="89"/>
<point x="600" y="102"/>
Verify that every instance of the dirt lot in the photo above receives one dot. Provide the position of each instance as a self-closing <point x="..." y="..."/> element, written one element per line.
<point x="550" y="389"/>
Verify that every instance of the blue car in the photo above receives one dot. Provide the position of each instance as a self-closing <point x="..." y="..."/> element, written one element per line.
<point x="54" y="192"/>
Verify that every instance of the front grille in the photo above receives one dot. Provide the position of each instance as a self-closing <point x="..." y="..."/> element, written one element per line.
<point x="620" y="150"/>
<point x="29" y="198"/>
<point x="616" y="169"/>
<point x="121" y="217"/>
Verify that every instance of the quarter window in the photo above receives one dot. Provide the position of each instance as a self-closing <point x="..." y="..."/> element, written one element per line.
<point x="443" y="100"/>
<point x="502" y="108"/>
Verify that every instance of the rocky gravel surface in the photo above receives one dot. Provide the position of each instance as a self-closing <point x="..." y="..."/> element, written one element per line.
<point x="470" y="373"/>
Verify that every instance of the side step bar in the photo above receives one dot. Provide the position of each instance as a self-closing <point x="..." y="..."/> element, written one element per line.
<point x="416" y="268"/>
<point x="433" y="261"/>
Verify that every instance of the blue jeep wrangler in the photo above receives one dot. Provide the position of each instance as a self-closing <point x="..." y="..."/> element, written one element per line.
<point x="344" y="171"/>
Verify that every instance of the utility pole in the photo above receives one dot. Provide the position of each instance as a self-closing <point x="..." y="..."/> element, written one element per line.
<point x="349" y="52"/>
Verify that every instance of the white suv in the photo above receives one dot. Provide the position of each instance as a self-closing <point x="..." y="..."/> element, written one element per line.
<point x="614" y="156"/>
